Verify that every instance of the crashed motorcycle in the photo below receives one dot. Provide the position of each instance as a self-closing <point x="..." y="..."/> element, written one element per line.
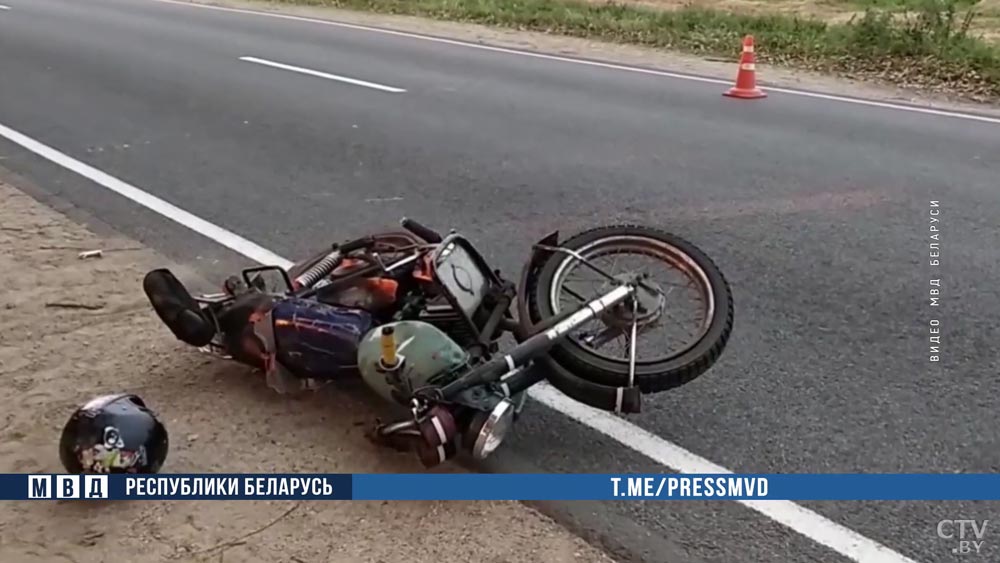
<point x="421" y="317"/>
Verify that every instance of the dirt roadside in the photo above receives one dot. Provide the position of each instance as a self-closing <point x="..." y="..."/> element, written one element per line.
<point x="619" y="53"/>
<point x="73" y="328"/>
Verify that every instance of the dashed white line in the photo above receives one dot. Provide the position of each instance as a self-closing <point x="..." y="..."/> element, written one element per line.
<point x="321" y="74"/>
<point x="2" y="7"/>
<point x="585" y="62"/>
<point x="806" y="522"/>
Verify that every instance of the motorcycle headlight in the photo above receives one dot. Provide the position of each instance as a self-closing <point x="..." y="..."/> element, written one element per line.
<point x="493" y="429"/>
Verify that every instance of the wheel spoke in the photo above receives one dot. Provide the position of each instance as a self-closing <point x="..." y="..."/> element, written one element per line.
<point x="603" y="337"/>
<point x="575" y="295"/>
<point x="655" y="320"/>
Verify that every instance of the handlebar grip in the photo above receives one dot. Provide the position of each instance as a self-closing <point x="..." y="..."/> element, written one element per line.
<point x="426" y="233"/>
<point x="356" y="244"/>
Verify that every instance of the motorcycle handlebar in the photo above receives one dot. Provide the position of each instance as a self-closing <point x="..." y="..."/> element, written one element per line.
<point x="356" y="244"/>
<point x="426" y="233"/>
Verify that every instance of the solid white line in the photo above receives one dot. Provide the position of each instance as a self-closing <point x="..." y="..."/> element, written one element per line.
<point x="326" y="75"/>
<point x="612" y="66"/>
<point x="218" y="234"/>
<point x="818" y="528"/>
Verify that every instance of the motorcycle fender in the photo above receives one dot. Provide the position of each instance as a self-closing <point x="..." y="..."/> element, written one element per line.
<point x="534" y="262"/>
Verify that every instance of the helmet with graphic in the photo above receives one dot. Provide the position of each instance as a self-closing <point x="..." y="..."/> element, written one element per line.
<point x="113" y="434"/>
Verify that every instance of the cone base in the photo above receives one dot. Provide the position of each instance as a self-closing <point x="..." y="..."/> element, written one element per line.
<point x="745" y="93"/>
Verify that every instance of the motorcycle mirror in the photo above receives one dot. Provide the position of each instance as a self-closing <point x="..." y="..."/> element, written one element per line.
<point x="269" y="279"/>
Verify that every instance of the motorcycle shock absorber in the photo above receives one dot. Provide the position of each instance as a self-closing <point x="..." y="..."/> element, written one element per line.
<point x="319" y="270"/>
<point x="326" y="265"/>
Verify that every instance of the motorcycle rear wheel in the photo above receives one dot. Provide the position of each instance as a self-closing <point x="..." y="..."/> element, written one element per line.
<point x="651" y="375"/>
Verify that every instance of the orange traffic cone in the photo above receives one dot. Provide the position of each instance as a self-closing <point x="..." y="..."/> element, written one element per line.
<point x="746" y="78"/>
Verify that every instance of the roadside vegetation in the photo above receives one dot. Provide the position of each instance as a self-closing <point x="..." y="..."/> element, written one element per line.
<point x="937" y="45"/>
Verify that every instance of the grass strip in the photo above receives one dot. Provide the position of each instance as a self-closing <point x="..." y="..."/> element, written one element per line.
<point x="927" y="46"/>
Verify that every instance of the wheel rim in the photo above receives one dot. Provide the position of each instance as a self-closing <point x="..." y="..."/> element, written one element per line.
<point x="664" y="254"/>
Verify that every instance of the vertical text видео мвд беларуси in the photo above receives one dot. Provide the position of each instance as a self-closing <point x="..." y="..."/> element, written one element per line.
<point x="935" y="293"/>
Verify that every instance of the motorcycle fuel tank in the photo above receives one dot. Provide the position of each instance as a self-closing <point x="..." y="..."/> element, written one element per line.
<point x="316" y="340"/>
<point x="429" y="356"/>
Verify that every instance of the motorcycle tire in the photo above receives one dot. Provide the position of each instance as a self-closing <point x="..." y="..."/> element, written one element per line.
<point x="651" y="377"/>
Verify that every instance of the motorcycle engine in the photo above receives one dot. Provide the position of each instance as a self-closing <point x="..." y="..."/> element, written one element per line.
<point x="428" y="356"/>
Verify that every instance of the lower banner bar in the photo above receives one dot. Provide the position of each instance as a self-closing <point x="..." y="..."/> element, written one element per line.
<point x="466" y="486"/>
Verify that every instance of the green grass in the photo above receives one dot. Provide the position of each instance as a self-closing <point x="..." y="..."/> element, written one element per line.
<point x="900" y="5"/>
<point x="930" y="49"/>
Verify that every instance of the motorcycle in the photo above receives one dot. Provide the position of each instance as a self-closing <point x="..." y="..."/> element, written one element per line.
<point x="420" y="317"/>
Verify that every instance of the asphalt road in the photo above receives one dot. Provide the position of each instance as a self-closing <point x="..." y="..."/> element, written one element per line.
<point x="816" y="210"/>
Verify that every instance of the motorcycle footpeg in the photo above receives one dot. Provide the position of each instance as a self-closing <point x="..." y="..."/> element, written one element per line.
<point x="177" y="308"/>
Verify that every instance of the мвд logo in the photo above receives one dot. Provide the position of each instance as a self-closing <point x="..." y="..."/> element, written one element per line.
<point x="67" y="486"/>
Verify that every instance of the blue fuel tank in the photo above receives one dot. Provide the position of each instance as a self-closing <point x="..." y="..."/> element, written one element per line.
<point x="319" y="341"/>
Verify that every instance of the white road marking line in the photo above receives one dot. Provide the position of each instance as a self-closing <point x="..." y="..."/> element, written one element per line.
<point x="218" y="234"/>
<point x="810" y="524"/>
<point x="2" y="7"/>
<point x="818" y="528"/>
<point x="612" y="66"/>
<point x="326" y="75"/>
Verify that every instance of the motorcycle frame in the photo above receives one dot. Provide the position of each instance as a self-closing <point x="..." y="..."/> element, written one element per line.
<point x="533" y="341"/>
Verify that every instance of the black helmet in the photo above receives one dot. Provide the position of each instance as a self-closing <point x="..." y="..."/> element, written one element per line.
<point x="113" y="434"/>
